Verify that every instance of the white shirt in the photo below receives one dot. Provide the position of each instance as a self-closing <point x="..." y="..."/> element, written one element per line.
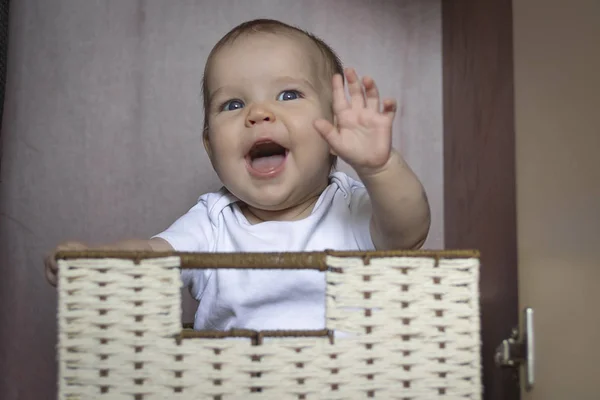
<point x="268" y="299"/>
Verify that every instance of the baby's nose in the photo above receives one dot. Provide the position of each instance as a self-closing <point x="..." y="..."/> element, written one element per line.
<point x="259" y="115"/>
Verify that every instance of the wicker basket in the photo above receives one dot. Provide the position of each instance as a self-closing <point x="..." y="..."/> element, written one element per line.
<point x="411" y="321"/>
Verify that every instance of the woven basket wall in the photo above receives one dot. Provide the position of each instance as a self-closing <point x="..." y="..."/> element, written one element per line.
<point x="410" y="322"/>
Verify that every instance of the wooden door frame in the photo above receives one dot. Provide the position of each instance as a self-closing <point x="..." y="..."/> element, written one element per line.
<point x="479" y="165"/>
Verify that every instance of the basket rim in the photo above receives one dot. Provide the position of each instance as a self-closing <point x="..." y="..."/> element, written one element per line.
<point x="262" y="260"/>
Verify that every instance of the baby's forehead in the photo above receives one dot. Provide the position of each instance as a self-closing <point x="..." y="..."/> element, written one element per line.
<point x="295" y="41"/>
<point x="295" y="51"/>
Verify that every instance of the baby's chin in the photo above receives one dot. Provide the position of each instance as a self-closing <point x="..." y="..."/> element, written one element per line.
<point x="282" y="197"/>
<point x="269" y="204"/>
<point x="280" y="208"/>
<point x="273" y="198"/>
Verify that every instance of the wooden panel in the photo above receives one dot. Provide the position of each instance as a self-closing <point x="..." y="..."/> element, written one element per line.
<point x="479" y="164"/>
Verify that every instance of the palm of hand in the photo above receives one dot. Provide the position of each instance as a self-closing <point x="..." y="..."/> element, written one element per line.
<point x="363" y="133"/>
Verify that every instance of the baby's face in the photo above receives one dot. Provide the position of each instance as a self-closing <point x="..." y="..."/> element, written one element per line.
<point x="265" y="93"/>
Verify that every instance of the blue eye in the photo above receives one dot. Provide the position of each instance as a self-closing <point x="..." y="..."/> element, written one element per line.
<point x="232" y="105"/>
<point x="288" y="95"/>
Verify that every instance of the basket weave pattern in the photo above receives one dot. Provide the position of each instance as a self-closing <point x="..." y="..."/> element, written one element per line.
<point x="405" y="328"/>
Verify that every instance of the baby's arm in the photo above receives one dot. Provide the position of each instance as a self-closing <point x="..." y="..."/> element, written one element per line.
<point x="401" y="214"/>
<point x="362" y="137"/>
<point x="154" y="244"/>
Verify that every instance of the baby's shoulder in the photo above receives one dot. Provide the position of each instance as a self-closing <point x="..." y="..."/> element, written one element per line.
<point x="213" y="203"/>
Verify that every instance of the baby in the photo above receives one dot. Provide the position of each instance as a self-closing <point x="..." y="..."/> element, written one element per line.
<point x="276" y="119"/>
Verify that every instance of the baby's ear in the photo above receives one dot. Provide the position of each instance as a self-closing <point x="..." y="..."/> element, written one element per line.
<point x="206" y="142"/>
<point x="336" y="126"/>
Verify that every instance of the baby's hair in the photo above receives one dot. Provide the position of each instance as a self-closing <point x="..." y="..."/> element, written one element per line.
<point x="333" y="64"/>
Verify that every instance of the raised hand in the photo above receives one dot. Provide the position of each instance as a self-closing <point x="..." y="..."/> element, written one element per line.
<point x="362" y="135"/>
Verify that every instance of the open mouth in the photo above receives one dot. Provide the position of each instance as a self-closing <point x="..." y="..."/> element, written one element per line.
<point x="266" y="157"/>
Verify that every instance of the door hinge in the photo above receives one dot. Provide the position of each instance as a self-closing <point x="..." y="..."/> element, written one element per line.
<point x="516" y="351"/>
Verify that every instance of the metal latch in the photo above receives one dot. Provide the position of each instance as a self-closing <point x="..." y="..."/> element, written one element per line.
<point x="515" y="352"/>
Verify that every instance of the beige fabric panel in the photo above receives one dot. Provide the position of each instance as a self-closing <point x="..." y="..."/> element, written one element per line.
<point x="102" y="129"/>
<point x="557" y="96"/>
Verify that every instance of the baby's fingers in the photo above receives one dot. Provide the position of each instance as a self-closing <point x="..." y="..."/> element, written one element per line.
<point x="355" y="89"/>
<point x="340" y="103"/>
<point x="371" y="93"/>
<point x="389" y="108"/>
<point x="51" y="265"/>
<point x="71" y="246"/>
<point x="51" y="268"/>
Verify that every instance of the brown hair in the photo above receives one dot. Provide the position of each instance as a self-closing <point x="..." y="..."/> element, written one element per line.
<point x="333" y="64"/>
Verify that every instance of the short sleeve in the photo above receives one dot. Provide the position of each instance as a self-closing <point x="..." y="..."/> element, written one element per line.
<point x="361" y="211"/>
<point x="192" y="232"/>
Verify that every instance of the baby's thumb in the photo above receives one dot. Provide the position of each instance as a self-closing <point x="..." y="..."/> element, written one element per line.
<point x="329" y="133"/>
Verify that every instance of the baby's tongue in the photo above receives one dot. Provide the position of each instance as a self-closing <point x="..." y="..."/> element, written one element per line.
<point x="267" y="164"/>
